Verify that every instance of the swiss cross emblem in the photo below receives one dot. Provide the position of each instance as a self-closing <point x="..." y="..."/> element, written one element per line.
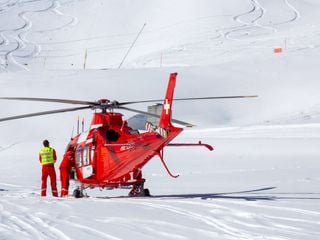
<point x="166" y="106"/>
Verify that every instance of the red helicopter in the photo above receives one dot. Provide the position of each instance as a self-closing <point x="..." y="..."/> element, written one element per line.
<point x="111" y="154"/>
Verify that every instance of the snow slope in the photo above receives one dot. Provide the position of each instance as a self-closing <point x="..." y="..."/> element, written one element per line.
<point x="262" y="179"/>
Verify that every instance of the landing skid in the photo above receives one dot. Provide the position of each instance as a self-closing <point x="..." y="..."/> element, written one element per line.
<point x="79" y="192"/>
<point x="137" y="191"/>
<point x="144" y="193"/>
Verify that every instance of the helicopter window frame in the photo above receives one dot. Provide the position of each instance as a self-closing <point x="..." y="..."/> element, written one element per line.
<point x="83" y="156"/>
<point x="86" y="156"/>
<point x="79" y="157"/>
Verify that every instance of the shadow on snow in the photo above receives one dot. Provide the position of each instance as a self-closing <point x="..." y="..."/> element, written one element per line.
<point x="248" y="195"/>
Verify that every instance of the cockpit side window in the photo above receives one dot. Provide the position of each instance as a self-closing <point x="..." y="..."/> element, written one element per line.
<point x="82" y="156"/>
<point x="79" y="157"/>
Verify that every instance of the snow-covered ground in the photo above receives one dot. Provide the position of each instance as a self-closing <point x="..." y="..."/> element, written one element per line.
<point x="261" y="181"/>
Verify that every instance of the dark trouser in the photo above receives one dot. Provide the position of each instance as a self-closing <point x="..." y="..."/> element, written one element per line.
<point x="48" y="170"/>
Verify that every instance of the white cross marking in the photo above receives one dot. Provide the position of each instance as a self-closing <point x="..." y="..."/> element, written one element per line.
<point x="167" y="107"/>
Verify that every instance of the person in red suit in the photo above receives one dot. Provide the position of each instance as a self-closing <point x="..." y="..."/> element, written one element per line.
<point x="47" y="158"/>
<point x="65" y="167"/>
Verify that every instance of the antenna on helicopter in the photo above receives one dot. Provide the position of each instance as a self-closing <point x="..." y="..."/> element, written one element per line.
<point x="78" y="125"/>
<point x="72" y="132"/>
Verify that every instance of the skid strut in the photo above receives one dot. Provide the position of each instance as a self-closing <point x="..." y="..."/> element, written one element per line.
<point x="160" y="154"/>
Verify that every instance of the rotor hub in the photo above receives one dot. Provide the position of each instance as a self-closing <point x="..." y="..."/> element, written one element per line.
<point x="103" y="101"/>
<point x="105" y="104"/>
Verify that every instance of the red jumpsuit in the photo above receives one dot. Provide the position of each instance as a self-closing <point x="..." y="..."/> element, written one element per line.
<point x="48" y="170"/>
<point x="65" y="169"/>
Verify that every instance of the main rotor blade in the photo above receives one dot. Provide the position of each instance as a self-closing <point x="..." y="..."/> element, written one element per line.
<point x="188" y="99"/>
<point x="155" y="115"/>
<point x="55" y="100"/>
<point x="207" y="98"/>
<point x="182" y="123"/>
<point x="81" y="102"/>
<point x="43" y="113"/>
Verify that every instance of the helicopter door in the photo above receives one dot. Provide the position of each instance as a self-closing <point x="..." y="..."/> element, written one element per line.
<point x="83" y="161"/>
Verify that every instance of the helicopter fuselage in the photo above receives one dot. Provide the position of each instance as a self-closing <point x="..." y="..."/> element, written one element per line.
<point x="111" y="154"/>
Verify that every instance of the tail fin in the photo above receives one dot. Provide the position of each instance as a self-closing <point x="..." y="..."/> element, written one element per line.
<point x="165" y="118"/>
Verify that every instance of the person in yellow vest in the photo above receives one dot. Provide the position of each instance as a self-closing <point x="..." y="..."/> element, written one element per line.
<point x="47" y="158"/>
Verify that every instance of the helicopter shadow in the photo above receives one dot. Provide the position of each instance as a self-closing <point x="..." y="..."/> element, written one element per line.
<point x="249" y="195"/>
<point x="242" y="195"/>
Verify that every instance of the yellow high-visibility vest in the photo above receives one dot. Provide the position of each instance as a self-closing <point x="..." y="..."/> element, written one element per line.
<point x="46" y="154"/>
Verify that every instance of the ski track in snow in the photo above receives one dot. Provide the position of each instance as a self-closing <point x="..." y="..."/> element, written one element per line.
<point x="16" y="42"/>
<point x="3" y="148"/>
<point x="268" y="215"/>
<point x="296" y="13"/>
<point x="246" y="26"/>
<point x="17" y="37"/>
<point x="221" y="218"/>
<point x="27" y="224"/>
<point x="250" y="31"/>
<point x="229" y="219"/>
<point x="218" y="218"/>
<point x="247" y="29"/>
<point x="255" y="14"/>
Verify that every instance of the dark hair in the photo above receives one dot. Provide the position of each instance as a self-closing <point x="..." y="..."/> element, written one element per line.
<point x="45" y="143"/>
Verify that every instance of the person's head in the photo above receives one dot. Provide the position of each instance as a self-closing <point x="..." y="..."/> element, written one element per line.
<point x="45" y="143"/>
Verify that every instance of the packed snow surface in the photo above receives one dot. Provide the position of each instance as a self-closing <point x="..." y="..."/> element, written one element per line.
<point x="262" y="179"/>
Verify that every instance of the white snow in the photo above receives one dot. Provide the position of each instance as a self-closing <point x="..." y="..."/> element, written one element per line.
<point x="261" y="181"/>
